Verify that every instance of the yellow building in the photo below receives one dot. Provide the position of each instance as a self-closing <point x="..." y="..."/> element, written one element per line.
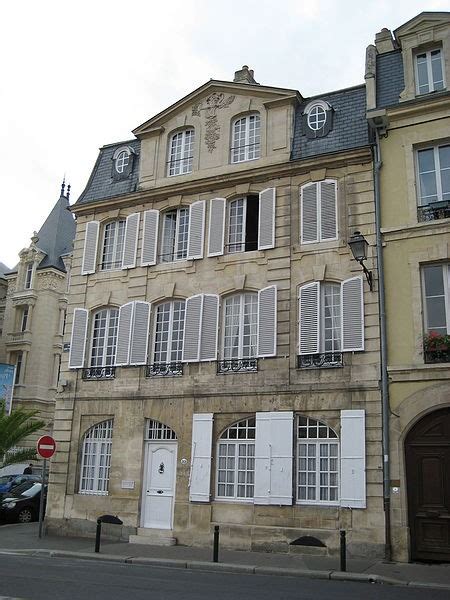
<point x="408" y="102"/>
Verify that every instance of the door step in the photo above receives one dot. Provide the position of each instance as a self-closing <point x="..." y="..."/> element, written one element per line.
<point x="153" y="537"/>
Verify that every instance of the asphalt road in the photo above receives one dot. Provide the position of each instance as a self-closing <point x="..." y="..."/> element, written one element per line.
<point x="36" y="578"/>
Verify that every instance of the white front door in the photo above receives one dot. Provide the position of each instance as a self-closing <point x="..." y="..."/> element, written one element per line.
<point x="159" y="484"/>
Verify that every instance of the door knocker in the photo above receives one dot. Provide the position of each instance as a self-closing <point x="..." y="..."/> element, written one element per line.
<point x="161" y="468"/>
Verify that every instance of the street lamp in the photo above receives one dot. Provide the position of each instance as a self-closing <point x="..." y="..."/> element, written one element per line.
<point x="358" y="245"/>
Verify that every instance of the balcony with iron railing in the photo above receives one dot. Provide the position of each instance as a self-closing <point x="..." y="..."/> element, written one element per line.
<point x="169" y="369"/>
<point x="323" y="360"/>
<point x="433" y="211"/>
<point x="97" y="373"/>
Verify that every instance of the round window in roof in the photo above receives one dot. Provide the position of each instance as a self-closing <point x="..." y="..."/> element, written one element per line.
<point x="122" y="161"/>
<point x="317" y="117"/>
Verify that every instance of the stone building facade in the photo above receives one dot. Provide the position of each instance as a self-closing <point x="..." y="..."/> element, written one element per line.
<point x="408" y="75"/>
<point x="224" y="346"/>
<point x="35" y="310"/>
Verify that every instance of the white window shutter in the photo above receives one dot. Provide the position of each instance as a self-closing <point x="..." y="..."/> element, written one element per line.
<point x="192" y="325"/>
<point x="196" y="229"/>
<point x="124" y="334"/>
<point x="267" y="321"/>
<point x="309" y="318"/>
<point x="150" y="238"/>
<point x="209" y="327"/>
<point x="78" y="338"/>
<point x="328" y="210"/>
<point x="200" y="476"/>
<point x="266" y="221"/>
<point x="262" y="458"/>
<point x="90" y="248"/>
<point x="139" y="335"/>
<point x="352" y="302"/>
<point x="281" y="442"/>
<point x="216" y="229"/>
<point x="309" y="221"/>
<point x="130" y="241"/>
<point x="353" y="459"/>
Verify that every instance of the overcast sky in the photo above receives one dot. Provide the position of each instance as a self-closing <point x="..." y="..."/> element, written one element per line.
<point x="75" y="77"/>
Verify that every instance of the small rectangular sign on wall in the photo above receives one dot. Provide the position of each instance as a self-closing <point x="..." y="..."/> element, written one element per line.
<point x="127" y="484"/>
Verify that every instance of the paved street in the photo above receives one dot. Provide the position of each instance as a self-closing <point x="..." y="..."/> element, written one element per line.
<point x="35" y="578"/>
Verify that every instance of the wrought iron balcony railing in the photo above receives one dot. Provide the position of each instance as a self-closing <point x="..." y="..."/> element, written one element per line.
<point x="95" y="373"/>
<point x="434" y="211"/>
<point x="324" y="360"/>
<point x="237" y="365"/>
<point x="171" y="369"/>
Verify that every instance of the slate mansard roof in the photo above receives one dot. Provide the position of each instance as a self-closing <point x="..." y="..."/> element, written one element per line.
<point x="101" y="184"/>
<point x="349" y="129"/>
<point x="390" y="78"/>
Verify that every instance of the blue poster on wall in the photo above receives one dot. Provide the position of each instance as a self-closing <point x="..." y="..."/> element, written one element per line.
<point x="7" y="376"/>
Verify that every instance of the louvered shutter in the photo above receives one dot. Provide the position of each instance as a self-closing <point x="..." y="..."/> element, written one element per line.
<point x="196" y="229"/>
<point x="309" y="318"/>
<point x="150" y="238"/>
<point x="266" y="221"/>
<point x="130" y="241"/>
<point x="90" y="248"/>
<point x="200" y="476"/>
<point x="139" y="335"/>
<point x="328" y="208"/>
<point x="267" y="321"/>
<point x="78" y="338"/>
<point x="192" y="324"/>
<point x="216" y="229"/>
<point x="352" y="302"/>
<point x="281" y="441"/>
<point x="353" y="459"/>
<point x="124" y="334"/>
<point x="209" y="327"/>
<point x="262" y="458"/>
<point x="309" y="224"/>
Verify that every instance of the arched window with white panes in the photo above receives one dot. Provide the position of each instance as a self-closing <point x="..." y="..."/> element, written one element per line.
<point x="317" y="463"/>
<point x="112" y="246"/>
<point x="246" y="138"/>
<point x="168" y="332"/>
<point x="155" y="430"/>
<point x="96" y="459"/>
<point x="236" y="461"/>
<point x="104" y="337"/>
<point x="240" y="322"/>
<point x="175" y="231"/>
<point x="181" y="152"/>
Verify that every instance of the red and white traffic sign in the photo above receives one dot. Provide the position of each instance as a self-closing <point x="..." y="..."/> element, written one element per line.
<point x="46" y="446"/>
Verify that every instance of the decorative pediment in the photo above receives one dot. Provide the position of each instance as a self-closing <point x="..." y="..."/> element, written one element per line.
<point x="423" y="21"/>
<point x="210" y="98"/>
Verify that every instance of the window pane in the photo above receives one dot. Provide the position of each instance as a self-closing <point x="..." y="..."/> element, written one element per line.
<point x="434" y="282"/>
<point x="436" y="70"/>
<point x="422" y="72"/>
<point x="428" y="188"/>
<point x="436" y="313"/>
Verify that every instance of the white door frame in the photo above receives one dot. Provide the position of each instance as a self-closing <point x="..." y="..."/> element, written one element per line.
<point x="148" y="445"/>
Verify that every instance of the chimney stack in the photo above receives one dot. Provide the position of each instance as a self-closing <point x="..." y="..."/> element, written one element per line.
<point x="245" y="75"/>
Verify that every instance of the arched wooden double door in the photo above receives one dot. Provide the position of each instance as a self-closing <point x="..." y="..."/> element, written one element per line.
<point x="427" y="449"/>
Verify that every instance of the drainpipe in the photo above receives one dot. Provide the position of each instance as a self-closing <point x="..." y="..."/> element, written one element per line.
<point x="385" y="408"/>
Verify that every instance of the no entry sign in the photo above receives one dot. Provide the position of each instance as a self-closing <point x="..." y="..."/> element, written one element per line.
<point x="46" y="446"/>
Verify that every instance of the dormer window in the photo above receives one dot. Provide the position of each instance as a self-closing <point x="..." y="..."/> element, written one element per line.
<point x="429" y="71"/>
<point x="181" y="153"/>
<point x="246" y="138"/>
<point x="317" y="119"/>
<point x="122" y="163"/>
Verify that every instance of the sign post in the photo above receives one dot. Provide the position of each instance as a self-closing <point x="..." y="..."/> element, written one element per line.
<point x="46" y="447"/>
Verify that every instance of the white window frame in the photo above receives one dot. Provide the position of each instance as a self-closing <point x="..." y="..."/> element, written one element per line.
<point x="29" y="276"/>
<point x="178" y="242"/>
<point x="317" y="117"/>
<point x="445" y="267"/>
<point x="318" y="185"/>
<point x="254" y="325"/>
<point x="24" y="316"/>
<point x="249" y="147"/>
<point x="170" y="331"/>
<point x="226" y="442"/>
<point x="336" y="329"/>
<point x="118" y="245"/>
<point x="239" y="244"/>
<point x="96" y="483"/>
<point x="122" y="160"/>
<point x="155" y="430"/>
<point x="316" y="442"/>
<point x="105" y="358"/>
<point x="185" y="149"/>
<point x="437" y="174"/>
<point x="431" y="83"/>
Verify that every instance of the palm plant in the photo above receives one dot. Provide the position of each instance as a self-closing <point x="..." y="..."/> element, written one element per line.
<point x="13" y="429"/>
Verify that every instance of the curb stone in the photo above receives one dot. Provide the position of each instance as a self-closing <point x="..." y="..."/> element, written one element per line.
<point x="224" y="567"/>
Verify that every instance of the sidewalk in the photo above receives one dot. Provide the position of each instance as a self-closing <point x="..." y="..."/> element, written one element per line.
<point x="24" y="539"/>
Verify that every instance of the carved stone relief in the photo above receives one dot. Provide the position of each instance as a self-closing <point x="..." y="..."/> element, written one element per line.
<point x="214" y="102"/>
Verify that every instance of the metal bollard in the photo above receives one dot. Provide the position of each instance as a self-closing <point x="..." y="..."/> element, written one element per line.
<point x="97" y="535"/>
<point x="216" y="544"/>
<point x="343" y="551"/>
